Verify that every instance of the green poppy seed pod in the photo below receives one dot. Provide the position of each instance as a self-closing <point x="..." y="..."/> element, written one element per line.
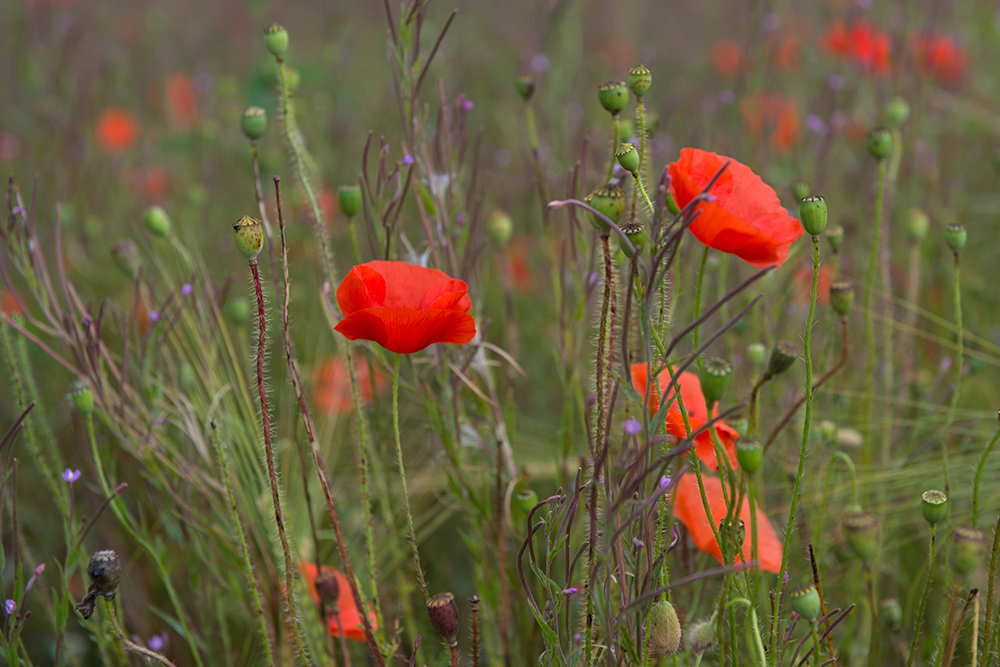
<point x="83" y="398"/>
<point x="918" y="224"/>
<point x="812" y="212"/>
<point x="749" y="453"/>
<point x="126" y="257"/>
<point x="827" y="430"/>
<point x="444" y="617"/>
<point x="628" y="157"/>
<point x="734" y="529"/>
<point x="880" y="143"/>
<point x="834" y="235"/>
<point x="611" y="202"/>
<point x="635" y="232"/>
<point x="861" y="532"/>
<point x="897" y="111"/>
<point x="800" y="190"/>
<point x="105" y="572"/>
<point x="276" y="39"/>
<point x="842" y="296"/>
<point x="782" y="357"/>
<point x="237" y="310"/>
<point x="849" y="438"/>
<point x="934" y="505"/>
<point x="639" y="80"/>
<point x="350" y="199"/>
<point x="756" y="353"/>
<point x="701" y="636"/>
<point x="968" y="546"/>
<point x="626" y="128"/>
<point x="891" y="613"/>
<point x="664" y="629"/>
<point x="525" y="86"/>
<point x="613" y="96"/>
<point x="740" y="425"/>
<point x="500" y="227"/>
<point x="253" y="122"/>
<point x="327" y="587"/>
<point x="955" y="236"/>
<point x="716" y="375"/>
<point x="157" y="221"/>
<point x="805" y="602"/>
<point x="523" y="503"/>
<point x="249" y="236"/>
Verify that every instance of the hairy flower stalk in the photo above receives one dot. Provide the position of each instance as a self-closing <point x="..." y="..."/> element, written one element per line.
<point x="959" y="354"/>
<point x="873" y="261"/>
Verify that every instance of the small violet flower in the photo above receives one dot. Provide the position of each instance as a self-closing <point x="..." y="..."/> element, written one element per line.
<point x="664" y="482"/>
<point x="638" y="543"/>
<point x="632" y="426"/>
<point x="154" y="316"/>
<point x="70" y="476"/>
<point x="408" y="160"/>
<point x="10" y="606"/>
<point x="571" y="591"/>
<point x="187" y="289"/>
<point x="158" y="642"/>
<point x="467" y="105"/>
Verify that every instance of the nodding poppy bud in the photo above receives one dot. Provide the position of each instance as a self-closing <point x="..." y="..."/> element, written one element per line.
<point x="635" y="232"/>
<point x="639" y="80"/>
<point x="701" y="636"/>
<point x="805" y="602"/>
<point x="756" y="353"/>
<point x="613" y="96"/>
<point x="955" y="236"/>
<point x="157" y="221"/>
<point x="525" y="86"/>
<point x="782" y="357"/>
<point x="716" y="375"/>
<point x="917" y="224"/>
<point x="749" y="453"/>
<point x="891" y="613"/>
<point x="968" y="546"/>
<point x="897" y="111"/>
<point x="734" y="529"/>
<point x="253" y="122"/>
<point x="523" y="503"/>
<point x="834" y="235"/>
<point x="842" y="296"/>
<point x="861" y="532"/>
<point x="800" y="190"/>
<point x="812" y="211"/>
<point x="237" y="309"/>
<point x="276" y="39"/>
<point x="880" y="143"/>
<point x="249" y="236"/>
<point x="628" y="157"/>
<point x="934" y="505"/>
<point x="327" y="587"/>
<point x="126" y="257"/>
<point x="849" y="438"/>
<point x="444" y="617"/>
<point x="105" y="572"/>
<point x="610" y="201"/>
<point x="83" y="398"/>
<point x="664" y="629"/>
<point x="350" y="199"/>
<point x="500" y="227"/>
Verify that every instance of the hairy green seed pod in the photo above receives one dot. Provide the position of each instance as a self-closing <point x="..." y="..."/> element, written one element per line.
<point x="880" y="143"/>
<point x="968" y="546"/>
<point x="918" y="224"/>
<point x="664" y="629"/>
<point x="613" y="96"/>
<point x="862" y="534"/>
<point x="249" y="236"/>
<point x="443" y="613"/>
<point x="783" y="356"/>
<point x="635" y="232"/>
<point x="891" y="613"/>
<point x="253" y="122"/>
<point x="628" y="157"/>
<point x="500" y="227"/>
<point x="350" y="199"/>
<point x="83" y="398"/>
<point x="716" y="375"/>
<point x="955" y="236"/>
<point x="834" y="235"/>
<point x="756" y="353"/>
<point x="639" y="80"/>
<point x="749" y="453"/>
<point x="934" y="506"/>
<point x="701" y="636"/>
<point x="276" y="40"/>
<point x="805" y="601"/>
<point x="157" y="221"/>
<point x="897" y="111"/>
<point x="525" y="86"/>
<point x="126" y="257"/>
<point x="610" y="201"/>
<point x="800" y="190"/>
<point x="842" y="296"/>
<point x="812" y="212"/>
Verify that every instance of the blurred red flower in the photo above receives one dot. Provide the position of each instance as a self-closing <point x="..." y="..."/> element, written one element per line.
<point x="939" y="57"/>
<point x="802" y="279"/>
<point x="690" y="510"/>
<point x="9" y="304"/>
<point x="331" y="385"/>
<point x="403" y="307"/>
<point x="777" y="115"/>
<point x="743" y="218"/>
<point x="117" y="130"/>
<point x="728" y="57"/>
<point x="182" y="102"/>
<point x="348" y="614"/>
<point x="862" y="43"/>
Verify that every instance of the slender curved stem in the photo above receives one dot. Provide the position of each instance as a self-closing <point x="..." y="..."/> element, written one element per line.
<point x="921" y="608"/>
<point x="979" y="474"/>
<point x="129" y="644"/>
<point x="869" y="323"/>
<point x="957" y="296"/>
<point x="614" y="146"/>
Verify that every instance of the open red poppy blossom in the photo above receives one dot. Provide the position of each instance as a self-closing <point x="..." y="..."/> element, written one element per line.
<point x="350" y="624"/>
<point x="939" y="57"/>
<point x="690" y="510"/>
<point x="403" y="307"/>
<point x="331" y="385"/>
<point x="860" y="42"/>
<point x="694" y="403"/>
<point x="745" y="218"/>
<point x="117" y="130"/>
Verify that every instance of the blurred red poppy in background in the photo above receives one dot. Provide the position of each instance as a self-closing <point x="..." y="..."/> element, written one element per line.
<point x="350" y="624"/>
<point x="939" y="57"/>
<point x="744" y="216"/>
<point x="117" y="130"/>
<point x="776" y="115"/>
<point x="9" y="304"/>
<point x="862" y="43"/>
<point x="404" y="307"/>
<point x="182" y="102"/>
<point x="728" y="57"/>
<point x="331" y="385"/>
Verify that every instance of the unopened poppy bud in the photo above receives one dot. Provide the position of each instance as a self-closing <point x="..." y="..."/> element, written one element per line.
<point x="827" y="429"/>
<point x="672" y="204"/>
<point x="237" y="310"/>
<point x="917" y="224"/>
<point x="800" y="190"/>
<point x="805" y="601"/>
<point x="834" y="235"/>
<point x="955" y="236"/>
<point x="897" y="111"/>
<point x="157" y="221"/>
<point x="444" y="617"/>
<point x="891" y="613"/>
<point x="635" y="232"/>
<point x="525" y="86"/>
<point x="849" y="438"/>
<point x="782" y="357"/>
<point x="861" y="532"/>
<point x="126" y="257"/>
<point x="749" y="453"/>
<point x="842" y="296"/>
<point x="701" y="636"/>
<point x="664" y="629"/>
<point x="105" y="572"/>
<point x="500" y="227"/>
<point x="934" y="505"/>
<point x="812" y="212"/>
<point x="639" y="80"/>
<point x="716" y="375"/>
<point x="628" y="157"/>
<point x="523" y="503"/>
<point x="734" y="529"/>
<point x="613" y="96"/>
<point x="350" y="199"/>
<point x="253" y="122"/>
<point x="968" y="546"/>
<point x="249" y="236"/>
<point x="610" y="201"/>
<point x="83" y="398"/>
<point x="880" y="143"/>
<point x="276" y="40"/>
<point x="327" y="587"/>
<point x="756" y="353"/>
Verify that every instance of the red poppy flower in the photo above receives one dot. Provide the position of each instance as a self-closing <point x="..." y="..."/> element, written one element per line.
<point x="728" y="58"/>
<point x="775" y="113"/>
<point x="939" y="57"/>
<point x="403" y="307"/>
<point x="860" y="42"/>
<point x="182" y="102"/>
<point x="9" y="304"/>
<point x="744" y="219"/>
<point x="116" y="130"/>
<point x="331" y="385"/>
<point x="349" y="618"/>
<point x="694" y="403"/>
<point x="690" y="510"/>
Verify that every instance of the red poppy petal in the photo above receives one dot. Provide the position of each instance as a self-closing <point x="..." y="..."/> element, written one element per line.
<point x="408" y="284"/>
<point x="405" y="330"/>
<point x="456" y="298"/>
<point x="362" y="288"/>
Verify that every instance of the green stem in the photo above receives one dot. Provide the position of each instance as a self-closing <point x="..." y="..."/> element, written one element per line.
<point x="979" y="474"/>
<point x="869" y="322"/>
<point x="614" y="147"/>
<point x="815" y="637"/>
<point x="130" y="645"/>
<point x="697" y="299"/>
<point x="919" y="619"/>
<point x="957" y="296"/>
<point x="642" y="191"/>
<point x="754" y="627"/>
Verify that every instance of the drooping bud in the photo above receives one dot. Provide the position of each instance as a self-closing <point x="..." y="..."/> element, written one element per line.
<point x="639" y="80"/>
<point x="83" y="398"/>
<point x="126" y="257"/>
<point x="635" y="232"/>
<point x="800" y="190"/>
<point x="628" y="157"/>
<point x="880" y="143"/>
<point x="734" y="529"/>
<point x="782" y="357"/>
<point x="610" y="201"/>
<point x="805" y="601"/>
<point x="500" y="227"/>
<point x="237" y="310"/>
<point x="934" y="505"/>
<point x="861" y="532"/>
<point x="613" y="96"/>
<point x="835" y="237"/>
<point x="812" y="212"/>
<point x="249" y="236"/>
<point x="525" y="86"/>
<point x="701" y="636"/>
<point x="955" y="236"/>
<point x="276" y="40"/>
<point x="716" y="375"/>
<point x="842" y="296"/>
<point x="968" y="546"/>
<point x="897" y="111"/>
<point x="756" y="353"/>
<point x="664" y="629"/>
<point x="157" y="221"/>
<point x="327" y="587"/>
<point x="105" y="572"/>
<point x="253" y="122"/>
<point x="749" y="453"/>
<point x="917" y="224"/>
<point x="891" y="613"/>
<point x="443" y="613"/>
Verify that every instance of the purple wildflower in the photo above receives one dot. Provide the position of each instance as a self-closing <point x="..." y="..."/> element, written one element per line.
<point x="158" y="642"/>
<point x="816" y="125"/>
<point x="10" y="606"/>
<point x="467" y="105"/>
<point x="571" y="591"/>
<point x="70" y="476"/>
<point x="638" y="543"/>
<point x="632" y="426"/>
<point x="187" y="289"/>
<point x="408" y="160"/>
<point x="664" y="482"/>
<point x="540" y="63"/>
<point x="154" y="316"/>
